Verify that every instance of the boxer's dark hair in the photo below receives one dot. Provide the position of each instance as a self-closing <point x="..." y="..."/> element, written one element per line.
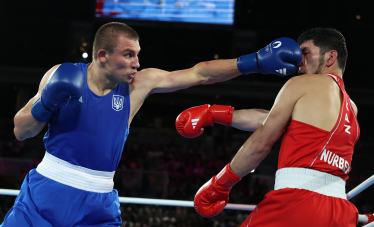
<point x="107" y="36"/>
<point x="327" y="39"/>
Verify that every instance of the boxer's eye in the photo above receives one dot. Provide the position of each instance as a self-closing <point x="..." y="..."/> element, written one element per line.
<point x="129" y="55"/>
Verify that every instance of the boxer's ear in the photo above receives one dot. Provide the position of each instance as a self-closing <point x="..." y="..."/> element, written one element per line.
<point x="101" y="55"/>
<point x="331" y="56"/>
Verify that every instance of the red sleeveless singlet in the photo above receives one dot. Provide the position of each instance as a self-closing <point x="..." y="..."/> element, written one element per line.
<point x="306" y="146"/>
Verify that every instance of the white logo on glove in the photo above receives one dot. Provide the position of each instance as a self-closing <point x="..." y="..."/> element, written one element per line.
<point x="194" y="122"/>
<point x="281" y="71"/>
<point x="277" y="44"/>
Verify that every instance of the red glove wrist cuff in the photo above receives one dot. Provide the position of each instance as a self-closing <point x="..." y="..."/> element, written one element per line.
<point x="370" y="218"/>
<point x="227" y="178"/>
<point x="221" y="114"/>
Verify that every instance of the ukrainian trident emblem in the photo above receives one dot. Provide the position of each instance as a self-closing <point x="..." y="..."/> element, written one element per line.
<point x="117" y="102"/>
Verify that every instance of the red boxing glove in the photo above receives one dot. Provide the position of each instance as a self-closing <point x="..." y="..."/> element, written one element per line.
<point x="370" y="219"/>
<point x="190" y="122"/>
<point x="213" y="196"/>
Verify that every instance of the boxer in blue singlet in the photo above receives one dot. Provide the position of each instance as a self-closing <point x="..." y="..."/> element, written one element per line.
<point x="89" y="107"/>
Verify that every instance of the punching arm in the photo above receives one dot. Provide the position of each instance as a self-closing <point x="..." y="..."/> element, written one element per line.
<point x="281" y="57"/>
<point x="190" y="122"/>
<point x="249" y="119"/>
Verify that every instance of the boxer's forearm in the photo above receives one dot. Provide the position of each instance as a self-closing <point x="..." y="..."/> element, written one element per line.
<point x="25" y="125"/>
<point x="250" y="155"/>
<point x="249" y="119"/>
<point x="217" y="70"/>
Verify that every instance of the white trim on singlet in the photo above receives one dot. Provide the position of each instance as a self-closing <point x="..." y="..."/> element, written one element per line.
<point x="312" y="180"/>
<point x="357" y="129"/>
<point x="252" y="216"/>
<point x="337" y="126"/>
<point x="328" y="140"/>
<point x="75" y="176"/>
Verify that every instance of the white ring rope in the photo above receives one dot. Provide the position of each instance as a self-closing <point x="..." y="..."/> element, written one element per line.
<point x="360" y="187"/>
<point x="167" y="202"/>
<point x="181" y="203"/>
<point x="162" y="202"/>
<point x="370" y="225"/>
<point x="231" y="206"/>
<point x="362" y="218"/>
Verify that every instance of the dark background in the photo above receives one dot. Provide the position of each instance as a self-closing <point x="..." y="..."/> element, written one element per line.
<point x="36" y="35"/>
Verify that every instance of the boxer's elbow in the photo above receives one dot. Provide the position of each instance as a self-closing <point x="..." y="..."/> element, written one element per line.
<point x="18" y="134"/>
<point x="23" y="131"/>
<point x="22" y="134"/>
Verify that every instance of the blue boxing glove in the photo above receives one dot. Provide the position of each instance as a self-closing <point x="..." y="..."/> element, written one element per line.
<point x="65" y="82"/>
<point x="282" y="57"/>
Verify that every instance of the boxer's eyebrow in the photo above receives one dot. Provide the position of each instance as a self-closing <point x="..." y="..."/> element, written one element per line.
<point x="130" y="50"/>
<point x="305" y="49"/>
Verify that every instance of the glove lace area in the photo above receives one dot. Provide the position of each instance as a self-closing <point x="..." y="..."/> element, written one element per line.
<point x="181" y="121"/>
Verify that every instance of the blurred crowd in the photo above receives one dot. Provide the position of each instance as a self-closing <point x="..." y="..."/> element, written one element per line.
<point x="158" y="163"/>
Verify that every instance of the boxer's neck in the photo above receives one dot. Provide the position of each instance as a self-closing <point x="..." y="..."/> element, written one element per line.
<point x="98" y="81"/>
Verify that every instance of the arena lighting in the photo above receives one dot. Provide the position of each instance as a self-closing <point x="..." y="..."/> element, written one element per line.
<point x="84" y="55"/>
<point x="203" y="11"/>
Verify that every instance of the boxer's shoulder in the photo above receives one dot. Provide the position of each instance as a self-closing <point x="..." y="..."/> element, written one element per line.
<point x="312" y="77"/>
<point x="313" y="80"/>
<point x="307" y="84"/>
<point x="147" y="77"/>
<point x="143" y="83"/>
<point x="354" y="106"/>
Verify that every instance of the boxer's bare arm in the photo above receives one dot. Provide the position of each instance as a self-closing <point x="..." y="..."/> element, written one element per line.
<point x="202" y="73"/>
<point x="149" y="81"/>
<point x="258" y="145"/>
<point x="249" y="119"/>
<point x="25" y="125"/>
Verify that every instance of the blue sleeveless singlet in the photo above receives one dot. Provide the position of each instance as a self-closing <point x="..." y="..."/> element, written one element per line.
<point x="91" y="132"/>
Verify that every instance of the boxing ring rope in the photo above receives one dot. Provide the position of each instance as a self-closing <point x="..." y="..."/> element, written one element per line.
<point x="360" y="187"/>
<point x="368" y="225"/>
<point x="230" y="206"/>
<point x="161" y="202"/>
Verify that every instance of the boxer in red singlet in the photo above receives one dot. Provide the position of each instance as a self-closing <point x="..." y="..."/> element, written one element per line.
<point x="318" y="120"/>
